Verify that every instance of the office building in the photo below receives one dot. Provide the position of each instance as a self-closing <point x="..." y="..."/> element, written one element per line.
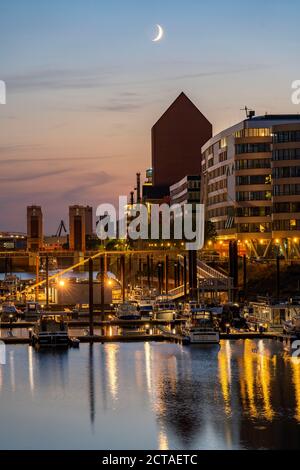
<point x="186" y="191"/>
<point x="81" y="226"/>
<point x="34" y="228"/>
<point x="177" y="138"/>
<point x="251" y="184"/>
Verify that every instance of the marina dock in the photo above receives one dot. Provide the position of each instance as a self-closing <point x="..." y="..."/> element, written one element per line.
<point x="163" y="336"/>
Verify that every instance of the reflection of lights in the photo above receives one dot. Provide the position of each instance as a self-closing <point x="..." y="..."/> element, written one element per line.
<point x="225" y="375"/>
<point x="296" y="381"/>
<point x="30" y="368"/>
<point x="112" y="369"/>
<point x="12" y="371"/>
<point x="249" y="358"/>
<point x="163" y="443"/>
<point x="264" y="376"/>
<point x="147" y="349"/>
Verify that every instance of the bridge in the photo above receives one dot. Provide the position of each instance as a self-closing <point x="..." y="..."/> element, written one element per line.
<point x="209" y="279"/>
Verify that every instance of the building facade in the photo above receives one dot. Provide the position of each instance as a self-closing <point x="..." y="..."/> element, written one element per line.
<point x="34" y="228"/>
<point x="186" y="191"/>
<point x="177" y="138"/>
<point x="251" y="184"/>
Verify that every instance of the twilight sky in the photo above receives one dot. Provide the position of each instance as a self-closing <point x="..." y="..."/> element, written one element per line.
<point x="85" y="83"/>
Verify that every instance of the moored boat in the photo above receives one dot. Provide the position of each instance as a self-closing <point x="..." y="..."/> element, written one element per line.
<point x="165" y="310"/>
<point x="128" y="311"/>
<point x="200" y="328"/>
<point x="32" y="311"/>
<point x="9" y="312"/>
<point x="292" y="327"/>
<point x="50" y="331"/>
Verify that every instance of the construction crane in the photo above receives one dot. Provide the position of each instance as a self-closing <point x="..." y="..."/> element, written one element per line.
<point x="61" y="228"/>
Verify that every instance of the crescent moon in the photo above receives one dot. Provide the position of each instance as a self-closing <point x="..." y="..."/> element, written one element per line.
<point x="160" y="34"/>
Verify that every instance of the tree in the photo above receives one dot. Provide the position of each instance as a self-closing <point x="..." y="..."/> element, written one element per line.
<point x="210" y="232"/>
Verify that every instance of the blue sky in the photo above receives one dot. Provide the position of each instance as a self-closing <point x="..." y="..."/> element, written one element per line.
<point x="85" y="84"/>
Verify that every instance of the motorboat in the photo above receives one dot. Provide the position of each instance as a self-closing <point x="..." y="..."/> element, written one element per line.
<point x="165" y="310"/>
<point x="200" y="328"/>
<point x="292" y="327"/>
<point x="32" y="311"/>
<point x="128" y="311"/>
<point x="9" y="312"/>
<point x="146" y="308"/>
<point x="51" y="331"/>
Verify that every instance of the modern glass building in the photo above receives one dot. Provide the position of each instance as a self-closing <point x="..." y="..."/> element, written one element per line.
<point x="251" y="184"/>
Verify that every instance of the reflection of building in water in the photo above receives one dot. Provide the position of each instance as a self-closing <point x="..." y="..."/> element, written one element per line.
<point x="30" y="370"/>
<point x="91" y="384"/>
<point x="256" y="369"/>
<point x="111" y="351"/>
<point x="185" y="384"/>
<point x="295" y="366"/>
<point x="268" y="399"/>
<point x="12" y="371"/>
<point x="224" y="358"/>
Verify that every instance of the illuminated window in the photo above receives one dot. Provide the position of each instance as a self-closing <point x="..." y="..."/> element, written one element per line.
<point x="223" y="143"/>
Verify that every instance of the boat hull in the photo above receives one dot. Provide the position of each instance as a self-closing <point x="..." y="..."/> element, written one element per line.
<point x="129" y="317"/>
<point x="199" y="337"/>
<point x="51" y="340"/>
<point x="165" y="316"/>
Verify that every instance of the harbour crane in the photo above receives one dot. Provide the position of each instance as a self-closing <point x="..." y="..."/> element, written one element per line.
<point x="61" y="228"/>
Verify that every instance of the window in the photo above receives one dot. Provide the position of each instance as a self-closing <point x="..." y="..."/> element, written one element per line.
<point x="287" y="136"/>
<point x="252" y="148"/>
<point x="263" y="132"/>
<point x="223" y="157"/>
<point x="287" y="172"/>
<point x="252" y="164"/>
<point x="254" y="228"/>
<point x="223" y="143"/>
<point x="253" y="179"/>
<point x="286" y="154"/>
<point x="286" y="189"/>
<point x="253" y="211"/>
<point x="253" y="195"/>
<point x="285" y="225"/>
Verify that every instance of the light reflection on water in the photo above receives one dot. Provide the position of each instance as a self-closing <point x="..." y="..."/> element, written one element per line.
<point x="243" y="394"/>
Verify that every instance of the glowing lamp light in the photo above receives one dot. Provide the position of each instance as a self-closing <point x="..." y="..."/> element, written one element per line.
<point x="109" y="282"/>
<point x="62" y="283"/>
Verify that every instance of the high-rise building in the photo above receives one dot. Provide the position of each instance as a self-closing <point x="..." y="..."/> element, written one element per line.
<point x="34" y="228"/>
<point x="251" y="184"/>
<point x="186" y="191"/>
<point x="81" y="225"/>
<point x="177" y="138"/>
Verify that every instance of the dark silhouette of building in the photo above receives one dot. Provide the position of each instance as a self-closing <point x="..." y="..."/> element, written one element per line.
<point x="177" y="138"/>
<point x="34" y="228"/>
<point x="81" y="225"/>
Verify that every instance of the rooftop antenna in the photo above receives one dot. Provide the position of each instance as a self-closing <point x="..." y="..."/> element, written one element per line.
<point x="250" y="113"/>
<point x="138" y="188"/>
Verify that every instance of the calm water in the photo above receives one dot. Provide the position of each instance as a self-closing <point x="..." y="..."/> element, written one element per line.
<point x="245" y="394"/>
